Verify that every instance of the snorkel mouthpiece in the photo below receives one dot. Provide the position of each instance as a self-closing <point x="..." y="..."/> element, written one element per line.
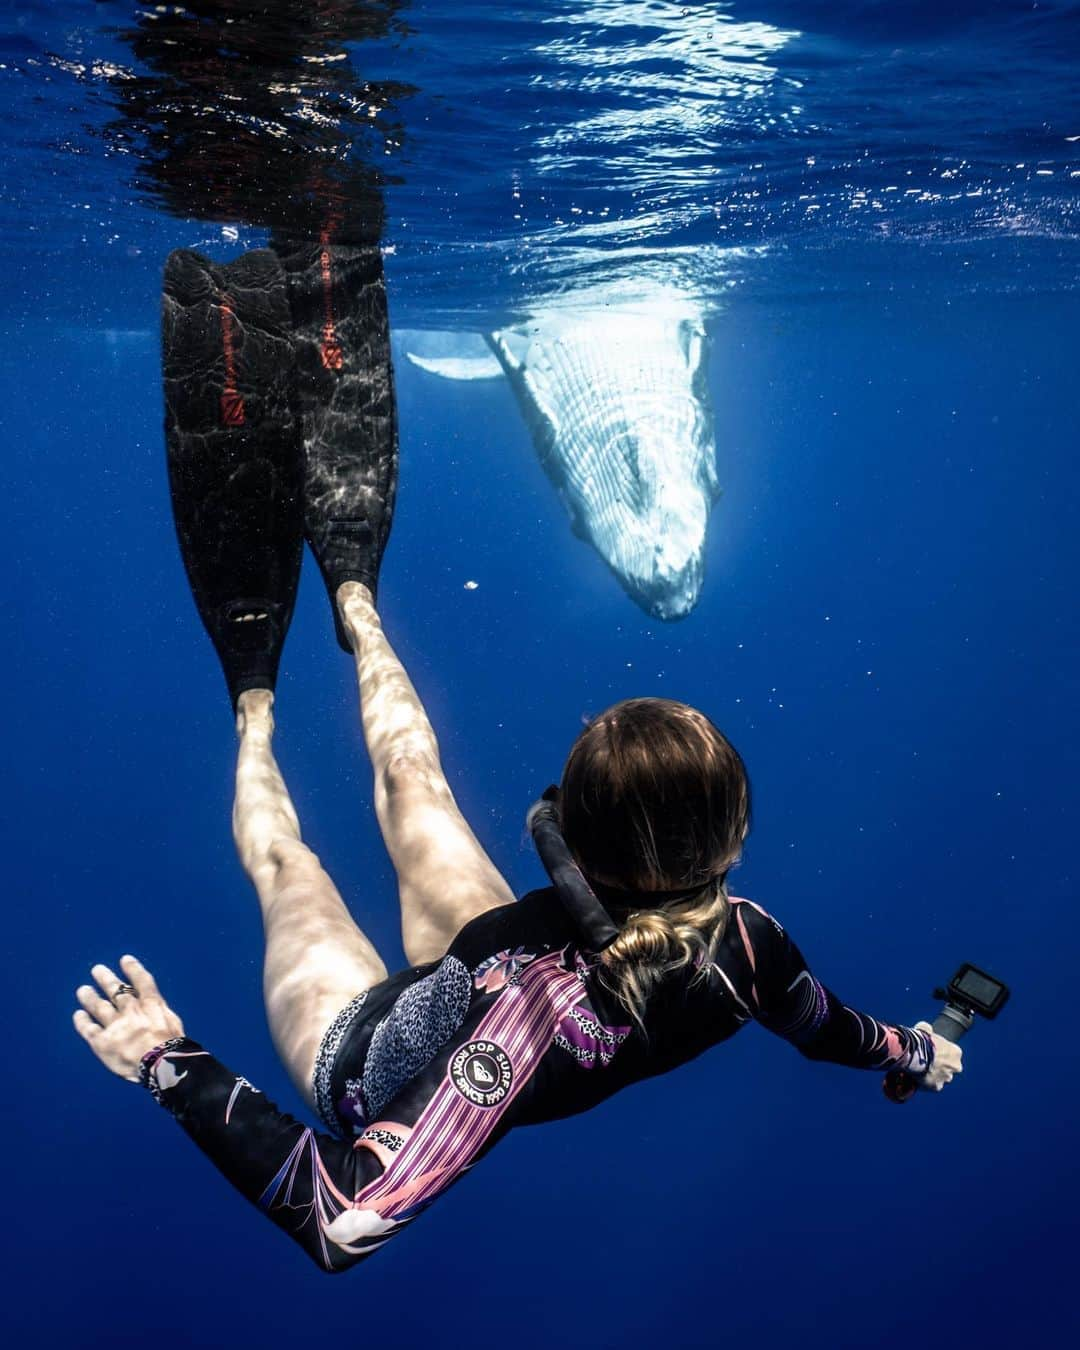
<point x="577" y="896"/>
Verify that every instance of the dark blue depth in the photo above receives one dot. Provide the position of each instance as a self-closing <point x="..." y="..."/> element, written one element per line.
<point x="888" y="633"/>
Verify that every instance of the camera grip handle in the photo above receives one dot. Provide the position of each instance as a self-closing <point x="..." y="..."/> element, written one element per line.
<point x="950" y="1024"/>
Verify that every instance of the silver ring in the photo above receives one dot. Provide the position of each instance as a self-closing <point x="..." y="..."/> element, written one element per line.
<point x="120" y="989"/>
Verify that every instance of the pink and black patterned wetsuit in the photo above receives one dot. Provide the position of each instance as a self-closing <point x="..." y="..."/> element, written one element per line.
<point x="421" y="1075"/>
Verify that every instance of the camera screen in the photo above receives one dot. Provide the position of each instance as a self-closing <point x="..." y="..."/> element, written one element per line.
<point x="980" y="988"/>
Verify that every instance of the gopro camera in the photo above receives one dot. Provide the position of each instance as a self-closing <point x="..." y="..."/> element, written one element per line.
<point x="972" y="989"/>
<point x="971" y="992"/>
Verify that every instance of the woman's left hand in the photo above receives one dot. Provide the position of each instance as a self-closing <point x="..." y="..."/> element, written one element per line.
<point x="121" y="1021"/>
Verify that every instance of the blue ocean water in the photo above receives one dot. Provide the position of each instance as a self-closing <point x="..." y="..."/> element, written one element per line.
<point x="876" y="207"/>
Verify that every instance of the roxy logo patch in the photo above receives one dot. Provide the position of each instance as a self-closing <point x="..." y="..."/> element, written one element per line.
<point x="482" y="1073"/>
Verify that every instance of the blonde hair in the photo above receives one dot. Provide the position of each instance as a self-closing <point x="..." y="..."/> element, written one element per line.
<point x="654" y="798"/>
<point x="655" y="944"/>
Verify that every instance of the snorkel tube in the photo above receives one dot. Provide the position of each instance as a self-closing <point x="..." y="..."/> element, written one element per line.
<point x="577" y="896"/>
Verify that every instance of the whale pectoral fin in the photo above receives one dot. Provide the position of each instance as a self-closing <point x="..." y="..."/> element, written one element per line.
<point x="510" y="346"/>
<point x="452" y="356"/>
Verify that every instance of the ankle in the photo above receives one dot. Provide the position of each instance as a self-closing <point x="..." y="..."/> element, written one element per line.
<point x="356" y="606"/>
<point x="254" y="714"/>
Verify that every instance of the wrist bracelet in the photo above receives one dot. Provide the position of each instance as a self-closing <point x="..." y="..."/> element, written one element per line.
<point x="149" y="1062"/>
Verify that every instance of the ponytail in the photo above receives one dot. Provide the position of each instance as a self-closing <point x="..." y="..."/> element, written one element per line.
<point x="657" y="943"/>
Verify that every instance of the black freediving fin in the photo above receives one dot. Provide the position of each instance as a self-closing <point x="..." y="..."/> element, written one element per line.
<point x="235" y="464"/>
<point x="344" y="390"/>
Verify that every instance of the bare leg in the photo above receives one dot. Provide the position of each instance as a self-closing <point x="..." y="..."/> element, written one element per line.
<point x="317" y="959"/>
<point x="444" y="876"/>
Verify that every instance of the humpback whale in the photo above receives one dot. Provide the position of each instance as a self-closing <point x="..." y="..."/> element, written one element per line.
<point x="613" y="392"/>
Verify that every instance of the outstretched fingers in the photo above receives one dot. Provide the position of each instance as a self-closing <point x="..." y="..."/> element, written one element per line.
<point x="111" y="985"/>
<point x="96" y="1007"/>
<point x="101" y="1007"/>
<point x="85" y="1025"/>
<point x="143" y="982"/>
<point x="122" y="1020"/>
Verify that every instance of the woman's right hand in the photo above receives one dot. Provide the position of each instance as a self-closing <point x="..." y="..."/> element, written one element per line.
<point x="948" y="1061"/>
<point x="120" y="1022"/>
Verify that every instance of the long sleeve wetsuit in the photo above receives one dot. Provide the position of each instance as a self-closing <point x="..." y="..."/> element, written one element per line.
<point x="510" y="1027"/>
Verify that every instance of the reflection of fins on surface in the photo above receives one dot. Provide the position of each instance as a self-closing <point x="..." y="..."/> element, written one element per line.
<point x="345" y="401"/>
<point x="235" y="469"/>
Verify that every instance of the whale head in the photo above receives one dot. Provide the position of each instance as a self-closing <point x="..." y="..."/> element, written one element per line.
<point x="645" y="505"/>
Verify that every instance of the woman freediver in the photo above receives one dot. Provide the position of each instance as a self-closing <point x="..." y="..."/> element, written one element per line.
<point x="280" y="422"/>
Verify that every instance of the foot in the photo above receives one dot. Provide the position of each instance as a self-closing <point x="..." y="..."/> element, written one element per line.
<point x="356" y="607"/>
<point x="254" y="713"/>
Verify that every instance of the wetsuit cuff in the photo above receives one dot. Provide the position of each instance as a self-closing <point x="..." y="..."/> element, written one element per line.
<point x="149" y="1061"/>
<point x="922" y="1053"/>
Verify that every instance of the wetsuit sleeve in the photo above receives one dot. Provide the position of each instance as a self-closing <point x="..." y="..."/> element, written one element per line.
<point x="300" y="1179"/>
<point x="788" y="1000"/>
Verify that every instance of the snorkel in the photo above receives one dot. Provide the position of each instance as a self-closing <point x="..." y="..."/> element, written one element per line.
<point x="583" y="899"/>
<point x="577" y="896"/>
